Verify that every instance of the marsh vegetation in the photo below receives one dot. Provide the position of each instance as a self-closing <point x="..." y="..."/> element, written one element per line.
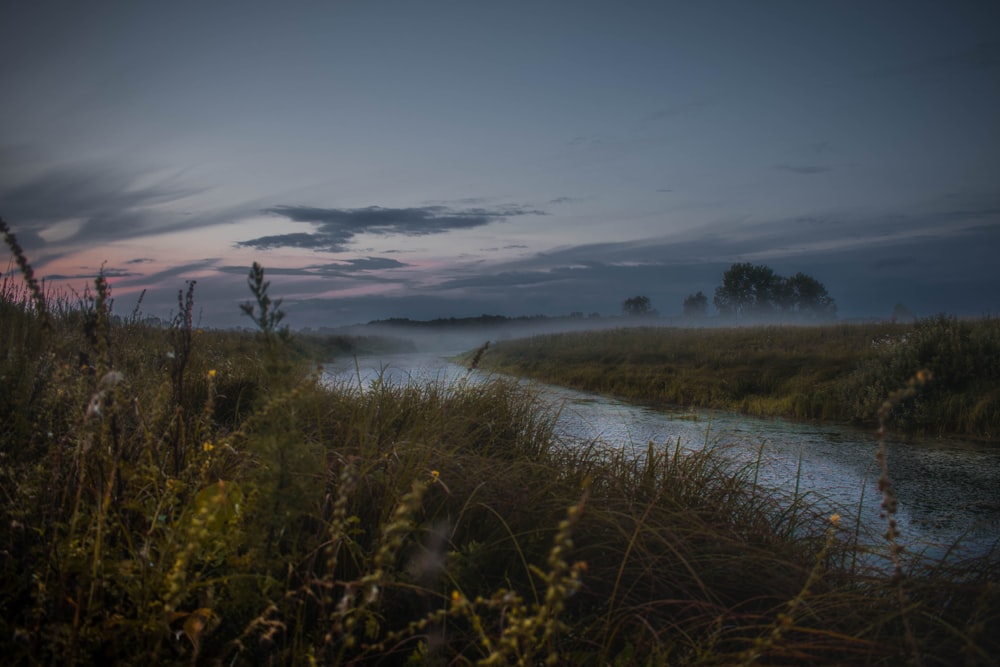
<point x="178" y="496"/>
<point x="838" y="372"/>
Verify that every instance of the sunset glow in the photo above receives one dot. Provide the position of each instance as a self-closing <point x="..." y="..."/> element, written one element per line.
<point x="441" y="159"/>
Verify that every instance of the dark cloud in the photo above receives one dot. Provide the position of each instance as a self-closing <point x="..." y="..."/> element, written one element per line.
<point x="106" y="202"/>
<point x="108" y="273"/>
<point x="934" y="261"/>
<point x="508" y="279"/>
<point x="139" y="260"/>
<point x="936" y="268"/>
<point x="332" y="242"/>
<point x="170" y="276"/>
<point x="806" y="169"/>
<point x="371" y="263"/>
<point x="350" y="268"/>
<point x="336" y="227"/>
<point x="512" y="246"/>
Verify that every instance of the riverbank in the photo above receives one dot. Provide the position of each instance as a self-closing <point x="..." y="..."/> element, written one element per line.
<point x="835" y="372"/>
<point x="177" y="496"/>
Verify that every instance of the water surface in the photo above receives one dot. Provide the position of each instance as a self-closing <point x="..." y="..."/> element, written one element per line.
<point x="948" y="489"/>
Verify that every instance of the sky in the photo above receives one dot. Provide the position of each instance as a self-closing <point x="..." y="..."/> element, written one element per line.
<point x="434" y="158"/>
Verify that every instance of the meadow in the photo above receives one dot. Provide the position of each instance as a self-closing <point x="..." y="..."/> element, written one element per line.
<point x="178" y="496"/>
<point x="834" y="372"/>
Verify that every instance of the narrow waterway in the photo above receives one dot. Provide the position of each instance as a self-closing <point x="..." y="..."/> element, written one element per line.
<point x="948" y="489"/>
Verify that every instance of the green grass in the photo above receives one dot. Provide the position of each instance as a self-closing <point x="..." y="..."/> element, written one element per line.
<point x="176" y="496"/>
<point x="829" y="372"/>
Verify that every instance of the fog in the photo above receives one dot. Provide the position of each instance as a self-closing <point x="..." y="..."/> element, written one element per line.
<point x="451" y="337"/>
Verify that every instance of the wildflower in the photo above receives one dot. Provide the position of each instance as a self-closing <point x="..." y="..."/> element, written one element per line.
<point x="211" y="374"/>
<point x="835" y="519"/>
<point x="435" y="476"/>
<point x="208" y="446"/>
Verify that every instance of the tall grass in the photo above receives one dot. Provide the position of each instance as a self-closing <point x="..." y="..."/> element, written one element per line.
<point x="228" y="508"/>
<point x="832" y="372"/>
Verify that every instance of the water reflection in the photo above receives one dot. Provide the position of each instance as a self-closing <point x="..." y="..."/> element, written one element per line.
<point x="947" y="489"/>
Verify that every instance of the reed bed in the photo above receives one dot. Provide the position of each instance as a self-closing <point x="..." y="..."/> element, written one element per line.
<point x="839" y="372"/>
<point x="178" y="496"/>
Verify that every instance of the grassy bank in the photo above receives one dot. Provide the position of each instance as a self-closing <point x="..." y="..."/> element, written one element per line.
<point x="831" y="372"/>
<point x="176" y="496"/>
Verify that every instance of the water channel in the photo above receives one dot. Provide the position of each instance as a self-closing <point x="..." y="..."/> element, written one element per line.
<point x="948" y="489"/>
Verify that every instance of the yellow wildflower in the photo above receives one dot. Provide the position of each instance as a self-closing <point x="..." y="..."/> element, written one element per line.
<point x="211" y="374"/>
<point x="208" y="446"/>
<point x="835" y="519"/>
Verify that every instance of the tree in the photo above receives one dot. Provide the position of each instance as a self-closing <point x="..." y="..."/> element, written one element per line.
<point x="807" y="297"/>
<point x="696" y="305"/>
<point x="638" y="306"/>
<point x="757" y="291"/>
<point x="747" y="289"/>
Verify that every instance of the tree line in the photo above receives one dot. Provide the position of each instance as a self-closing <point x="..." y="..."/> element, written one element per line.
<point x="753" y="292"/>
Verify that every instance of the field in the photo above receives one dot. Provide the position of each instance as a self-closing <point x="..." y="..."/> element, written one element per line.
<point x="178" y="496"/>
<point x="837" y="372"/>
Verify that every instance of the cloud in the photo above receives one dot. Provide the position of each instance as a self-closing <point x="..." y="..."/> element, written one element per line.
<point x="89" y="203"/>
<point x="328" y="241"/>
<point x="337" y="227"/>
<point x="511" y="246"/>
<point x="168" y="276"/>
<point x="350" y="268"/>
<point x="868" y="261"/>
<point x="108" y="273"/>
<point x="508" y="279"/>
<point x="806" y="169"/>
<point x="370" y="264"/>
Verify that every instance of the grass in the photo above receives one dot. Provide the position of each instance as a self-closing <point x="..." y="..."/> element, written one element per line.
<point x="176" y="496"/>
<point x="828" y="372"/>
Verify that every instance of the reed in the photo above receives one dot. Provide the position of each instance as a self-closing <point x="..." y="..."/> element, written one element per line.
<point x="230" y="508"/>
<point x="840" y="372"/>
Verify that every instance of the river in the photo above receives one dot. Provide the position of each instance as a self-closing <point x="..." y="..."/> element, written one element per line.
<point x="948" y="489"/>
